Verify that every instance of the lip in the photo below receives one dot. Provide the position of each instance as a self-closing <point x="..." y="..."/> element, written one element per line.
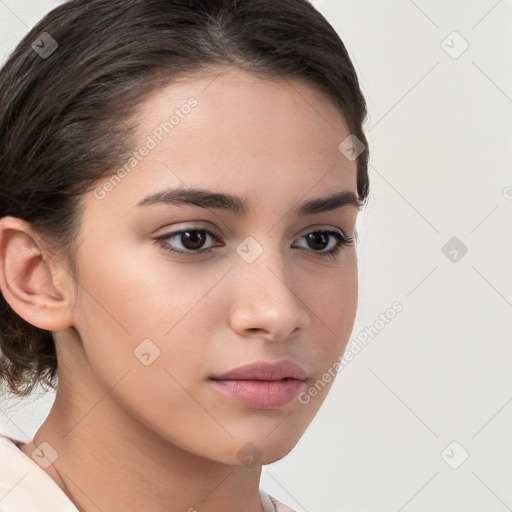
<point x="262" y="385"/>
<point x="264" y="370"/>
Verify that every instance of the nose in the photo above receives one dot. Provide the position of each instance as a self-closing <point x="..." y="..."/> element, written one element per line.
<point x="268" y="302"/>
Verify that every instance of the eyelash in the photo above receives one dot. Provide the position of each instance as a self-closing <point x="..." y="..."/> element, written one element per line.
<point x="343" y="240"/>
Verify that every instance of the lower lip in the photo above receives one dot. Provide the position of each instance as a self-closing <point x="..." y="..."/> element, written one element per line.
<point x="261" y="394"/>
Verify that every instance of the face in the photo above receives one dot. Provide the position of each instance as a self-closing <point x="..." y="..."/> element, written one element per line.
<point x="174" y="293"/>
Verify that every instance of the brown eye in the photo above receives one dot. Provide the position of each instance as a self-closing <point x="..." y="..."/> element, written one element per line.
<point x="319" y="240"/>
<point x="191" y="241"/>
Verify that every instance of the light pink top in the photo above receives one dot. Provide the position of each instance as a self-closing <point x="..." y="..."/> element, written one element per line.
<point x="26" y="487"/>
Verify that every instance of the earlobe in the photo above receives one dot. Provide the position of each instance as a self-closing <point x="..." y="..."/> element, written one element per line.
<point x="28" y="278"/>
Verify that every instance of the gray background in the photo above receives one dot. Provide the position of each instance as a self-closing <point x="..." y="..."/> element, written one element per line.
<point x="433" y="386"/>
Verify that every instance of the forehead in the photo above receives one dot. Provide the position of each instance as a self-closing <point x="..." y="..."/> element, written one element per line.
<point x="235" y="132"/>
<point x="229" y="96"/>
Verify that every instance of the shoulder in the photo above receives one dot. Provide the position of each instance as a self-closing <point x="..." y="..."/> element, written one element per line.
<point x="24" y="485"/>
<point x="278" y="505"/>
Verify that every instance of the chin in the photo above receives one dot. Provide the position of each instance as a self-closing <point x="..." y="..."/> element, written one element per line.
<point x="262" y="450"/>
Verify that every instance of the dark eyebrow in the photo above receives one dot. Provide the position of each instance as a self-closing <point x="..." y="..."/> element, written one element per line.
<point x="219" y="201"/>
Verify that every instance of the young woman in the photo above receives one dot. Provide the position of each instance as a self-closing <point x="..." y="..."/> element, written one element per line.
<point x="180" y="186"/>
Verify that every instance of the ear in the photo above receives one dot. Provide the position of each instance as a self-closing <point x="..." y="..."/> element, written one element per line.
<point x="35" y="288"/>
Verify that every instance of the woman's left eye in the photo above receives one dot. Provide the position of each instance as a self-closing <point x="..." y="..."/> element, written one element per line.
<point x="193" y="239"/>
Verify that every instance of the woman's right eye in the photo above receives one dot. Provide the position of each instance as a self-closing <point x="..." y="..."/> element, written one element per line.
<point x="191" y="239"/>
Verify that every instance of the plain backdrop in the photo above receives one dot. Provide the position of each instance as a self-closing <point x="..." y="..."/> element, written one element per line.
<point x="420" y="419"/>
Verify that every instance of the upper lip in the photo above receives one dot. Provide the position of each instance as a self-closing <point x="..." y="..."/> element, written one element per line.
<point x="264" y="370"/>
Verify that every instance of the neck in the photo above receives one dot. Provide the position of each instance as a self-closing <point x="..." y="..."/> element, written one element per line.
<point x="108" y="461"/>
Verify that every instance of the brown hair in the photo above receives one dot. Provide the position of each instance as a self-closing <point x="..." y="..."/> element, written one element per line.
<point x="66" y="117"/>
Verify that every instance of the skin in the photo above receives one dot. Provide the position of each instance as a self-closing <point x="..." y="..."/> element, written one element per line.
<point x="160" y="437"/>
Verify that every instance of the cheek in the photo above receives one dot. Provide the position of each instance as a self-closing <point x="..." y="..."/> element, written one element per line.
<point x="333" y="303"/>
<point x="143" y="335"/>
<point x="133" y="311"/>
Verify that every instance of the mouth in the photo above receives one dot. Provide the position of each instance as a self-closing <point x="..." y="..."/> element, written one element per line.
<point x="262" y="385"/>
<point x="261" y="394"/>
